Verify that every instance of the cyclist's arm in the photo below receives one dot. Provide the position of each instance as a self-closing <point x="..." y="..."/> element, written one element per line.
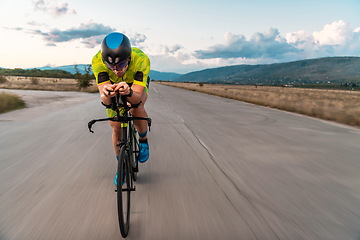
<point x="138" y="87"/>
<point x="140" y="79"/>
<point x="137" y="94"/>
<point x="108" y="90"/>
<point x="104" y="90"/>
<point x="102" y="79"/>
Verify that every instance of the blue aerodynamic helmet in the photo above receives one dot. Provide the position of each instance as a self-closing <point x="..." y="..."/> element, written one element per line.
<point x="116" y="50"/>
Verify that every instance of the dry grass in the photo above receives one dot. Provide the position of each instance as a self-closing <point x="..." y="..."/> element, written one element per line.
<point x="335" y="105"/>
<point x="10" y="102"/>
<point x="49" y="84"/>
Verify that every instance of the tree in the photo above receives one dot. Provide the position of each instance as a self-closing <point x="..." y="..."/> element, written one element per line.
<point x="83" y="80"/>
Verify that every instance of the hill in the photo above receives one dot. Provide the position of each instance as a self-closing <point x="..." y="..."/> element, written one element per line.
<point x="321" y="70"/>
<point x="154" y="75"/>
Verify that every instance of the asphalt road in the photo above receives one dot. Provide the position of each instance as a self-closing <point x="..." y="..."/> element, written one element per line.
<point x="219" y="169"/>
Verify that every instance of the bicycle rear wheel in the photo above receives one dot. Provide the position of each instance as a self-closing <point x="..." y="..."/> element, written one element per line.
<point x="134" y="151"/>
<point x="123" y="192"/>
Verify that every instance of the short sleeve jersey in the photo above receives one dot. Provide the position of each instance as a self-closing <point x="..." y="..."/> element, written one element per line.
<point x="137" y="72"/>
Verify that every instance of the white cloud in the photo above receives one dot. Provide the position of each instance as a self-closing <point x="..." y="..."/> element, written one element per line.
<point x="166" y="63"/>
<point x="336" y="33"/>
<point x="53" y="7"/>
<point x="169" y="58"/>
<point x="268" y="44"/>
<point x="178" y="59"/>
<point x="136" y="39"/>
<point x="90" y="34"/>
<point x="93" y="41"/>
<point x="335" y="39"/>
<point x="298" y="37"/>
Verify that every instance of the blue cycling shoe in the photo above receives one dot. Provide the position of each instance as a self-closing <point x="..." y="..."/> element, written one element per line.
<point x="143" y="152"/>
<point x="116" y="177"/>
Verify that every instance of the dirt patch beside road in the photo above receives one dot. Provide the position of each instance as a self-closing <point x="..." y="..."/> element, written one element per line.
<point x="41" y="102"/>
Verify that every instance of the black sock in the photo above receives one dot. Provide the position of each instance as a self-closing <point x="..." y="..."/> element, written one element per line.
<point x="143" y="140"/>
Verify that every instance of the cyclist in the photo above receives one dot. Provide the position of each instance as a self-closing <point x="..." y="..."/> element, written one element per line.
<point x="120" y="68"/>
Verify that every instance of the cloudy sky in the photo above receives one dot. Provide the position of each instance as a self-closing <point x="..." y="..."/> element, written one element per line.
<point x="179" y="36"/>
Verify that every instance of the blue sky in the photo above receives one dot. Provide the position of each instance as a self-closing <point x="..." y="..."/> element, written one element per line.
<point x="179" y="36"/>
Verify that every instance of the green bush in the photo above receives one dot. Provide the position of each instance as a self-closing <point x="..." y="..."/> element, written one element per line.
<point x="3" y="79"/>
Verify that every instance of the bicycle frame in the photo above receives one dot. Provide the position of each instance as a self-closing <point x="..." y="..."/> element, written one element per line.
<point x="125" y="155"/>
<point x="125" y="119"/>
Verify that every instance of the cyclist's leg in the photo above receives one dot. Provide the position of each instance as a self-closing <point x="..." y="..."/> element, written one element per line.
<point x="116" y="134"/>
<point x="116" y="130"/>
<point x="142" y="128"/>
<point x="141" y="125"/>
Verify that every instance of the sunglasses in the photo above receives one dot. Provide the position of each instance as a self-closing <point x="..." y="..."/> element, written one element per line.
<point x="118" y="67"/>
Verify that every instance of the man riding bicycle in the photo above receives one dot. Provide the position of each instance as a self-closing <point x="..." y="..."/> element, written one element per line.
<point x="118" y="68"/>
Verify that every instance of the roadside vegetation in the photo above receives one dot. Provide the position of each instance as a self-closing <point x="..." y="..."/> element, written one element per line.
<point x="35" y="73"/>
<point x="49" y="84"/>
<point x="54" y="80"/>
<point x="12" y="78"/>
<point x="3" y="79"/>
<point x="10" y="102"/>
<point x="336" y="105"/>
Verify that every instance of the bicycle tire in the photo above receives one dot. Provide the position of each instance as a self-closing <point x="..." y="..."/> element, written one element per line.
<point x="134" y="151"/>
<point x="123" y="192"/>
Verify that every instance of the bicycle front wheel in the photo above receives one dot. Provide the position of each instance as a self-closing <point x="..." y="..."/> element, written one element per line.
<point x="123" y="192"/>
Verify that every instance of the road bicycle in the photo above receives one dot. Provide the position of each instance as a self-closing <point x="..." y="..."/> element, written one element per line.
<point x="128" y="151"/>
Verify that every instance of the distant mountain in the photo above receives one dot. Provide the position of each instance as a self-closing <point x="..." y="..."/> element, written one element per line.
<point x="321" y="70"/>
<point x="154" y="75"/>
<point x="68" y="68"/>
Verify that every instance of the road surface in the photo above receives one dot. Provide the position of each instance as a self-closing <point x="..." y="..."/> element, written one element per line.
<point x="219" y="169"/>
